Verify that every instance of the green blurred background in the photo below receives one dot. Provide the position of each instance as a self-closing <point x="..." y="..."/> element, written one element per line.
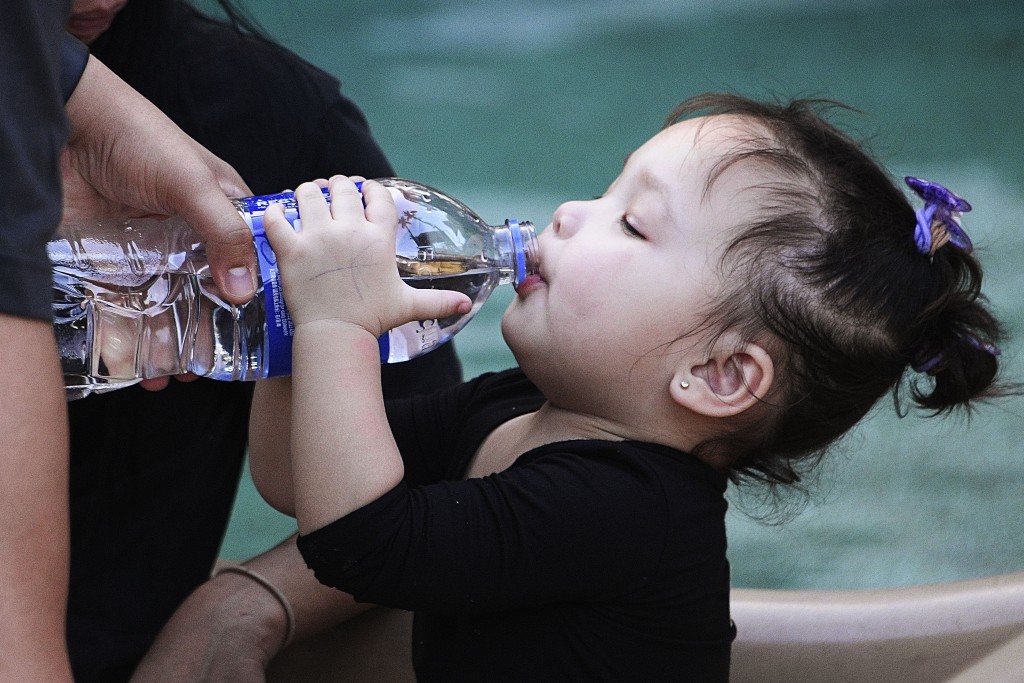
<point x="514" y="107"/>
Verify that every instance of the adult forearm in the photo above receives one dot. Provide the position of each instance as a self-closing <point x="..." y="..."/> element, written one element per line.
<point x="33" y="505"/>
<point x="233" y="625"/>
<point x="315" y="607"/>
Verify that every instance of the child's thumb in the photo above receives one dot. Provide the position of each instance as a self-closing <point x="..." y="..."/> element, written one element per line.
<point x="440" y="303"/>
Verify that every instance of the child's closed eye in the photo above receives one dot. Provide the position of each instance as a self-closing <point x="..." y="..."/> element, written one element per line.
<point x="628" y="228"/>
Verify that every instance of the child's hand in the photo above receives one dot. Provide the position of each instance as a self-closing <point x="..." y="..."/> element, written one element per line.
<point x="340" y="266"/>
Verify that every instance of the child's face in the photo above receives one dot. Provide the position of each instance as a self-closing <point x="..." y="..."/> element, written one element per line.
<point x="627" y="275"/>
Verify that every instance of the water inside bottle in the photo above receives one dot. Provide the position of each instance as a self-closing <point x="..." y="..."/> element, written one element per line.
<point x="471" y="276"/>
<point x="111" y="336"/>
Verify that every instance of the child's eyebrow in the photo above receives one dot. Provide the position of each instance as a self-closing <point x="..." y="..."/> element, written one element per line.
<point x="655" y="183"/>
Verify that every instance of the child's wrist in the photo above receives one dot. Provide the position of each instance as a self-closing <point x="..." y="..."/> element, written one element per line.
<point x="333" y="341"/>
<point x="335" y="327"/>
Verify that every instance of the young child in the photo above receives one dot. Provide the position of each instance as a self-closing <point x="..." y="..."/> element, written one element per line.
<point x="741" y="295"/>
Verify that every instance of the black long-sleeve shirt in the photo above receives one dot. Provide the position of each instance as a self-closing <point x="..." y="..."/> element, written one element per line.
<point x="584" y="561"/>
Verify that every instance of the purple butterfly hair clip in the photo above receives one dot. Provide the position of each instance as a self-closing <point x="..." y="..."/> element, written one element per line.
<point x="939" y="221"/>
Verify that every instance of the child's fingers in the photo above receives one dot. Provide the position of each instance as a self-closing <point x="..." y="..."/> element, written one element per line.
<point x="312" y="204"/>
<point x="279" y="231"/>
<point x="353" y="178"/>
<point x="380" y="205"/>
<point x="345" y="198"/>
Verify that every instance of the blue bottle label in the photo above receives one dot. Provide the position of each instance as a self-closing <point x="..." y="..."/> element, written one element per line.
<point x="278" y="328"/>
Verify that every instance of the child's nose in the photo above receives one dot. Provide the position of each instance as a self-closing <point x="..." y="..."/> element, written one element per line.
<point x="567" y="218"/>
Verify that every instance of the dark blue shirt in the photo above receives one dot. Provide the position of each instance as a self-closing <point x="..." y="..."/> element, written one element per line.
<point x="33" y="130"/>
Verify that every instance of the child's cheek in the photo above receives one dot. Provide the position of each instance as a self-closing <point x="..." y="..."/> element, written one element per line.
<point x="589" y="293"/>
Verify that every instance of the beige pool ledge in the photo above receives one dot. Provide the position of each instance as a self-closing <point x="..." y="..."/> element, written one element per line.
<point x="961" y="632"/>
<point x="967" y="631"/>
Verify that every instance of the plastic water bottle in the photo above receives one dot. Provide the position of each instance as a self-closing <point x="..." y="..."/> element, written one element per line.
<point x="134" y="299"/>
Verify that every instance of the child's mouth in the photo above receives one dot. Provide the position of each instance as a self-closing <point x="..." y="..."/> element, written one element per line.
<point x="529" y="284"/>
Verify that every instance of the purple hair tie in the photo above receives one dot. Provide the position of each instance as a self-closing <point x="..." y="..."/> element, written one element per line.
<point x="928" y="365"/>
<point x="939" y="221"/>
<point x="982" y="345"/>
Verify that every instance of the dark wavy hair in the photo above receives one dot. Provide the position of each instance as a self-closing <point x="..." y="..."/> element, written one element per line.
<point x="830" y="269"/>
<point x="239" y="17"/>
<point x="138" y="25"/>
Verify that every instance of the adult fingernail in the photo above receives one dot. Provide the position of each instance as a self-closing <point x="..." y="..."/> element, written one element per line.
<point x="240" y="283"/>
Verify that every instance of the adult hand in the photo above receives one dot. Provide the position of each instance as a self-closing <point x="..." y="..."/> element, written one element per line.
<point x="125" y="158"/>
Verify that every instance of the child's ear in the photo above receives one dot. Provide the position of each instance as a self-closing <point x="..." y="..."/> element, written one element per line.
<point x="728" y="383"/>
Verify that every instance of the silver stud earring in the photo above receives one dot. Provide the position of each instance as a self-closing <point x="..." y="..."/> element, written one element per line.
<point x="684" y="384"/>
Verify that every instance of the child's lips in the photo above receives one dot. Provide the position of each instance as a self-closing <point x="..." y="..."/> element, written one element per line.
<point x="529" y="284"/>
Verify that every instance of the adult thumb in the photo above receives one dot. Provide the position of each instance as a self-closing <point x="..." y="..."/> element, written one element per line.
<point x="229" y="245"/>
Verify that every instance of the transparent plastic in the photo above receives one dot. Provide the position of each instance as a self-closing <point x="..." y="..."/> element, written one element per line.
<point x="134" y="299"/>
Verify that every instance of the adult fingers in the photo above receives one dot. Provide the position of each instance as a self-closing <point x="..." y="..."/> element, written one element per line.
<point x="229" y="245"/>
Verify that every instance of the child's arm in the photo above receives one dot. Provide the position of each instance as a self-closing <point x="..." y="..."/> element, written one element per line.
<point x="343" y="291"/>
<point x="270" y="460"/>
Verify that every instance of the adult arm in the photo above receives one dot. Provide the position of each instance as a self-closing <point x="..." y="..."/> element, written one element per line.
<point x="123" y="157"/>
<point x="33" y="423"/>
<point x="33" y="505"/>
<point x="232" y="626"/>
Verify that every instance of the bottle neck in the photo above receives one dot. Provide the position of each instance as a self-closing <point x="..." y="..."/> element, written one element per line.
<point x="516" y="246"/>
<point x="514" y="255"/>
